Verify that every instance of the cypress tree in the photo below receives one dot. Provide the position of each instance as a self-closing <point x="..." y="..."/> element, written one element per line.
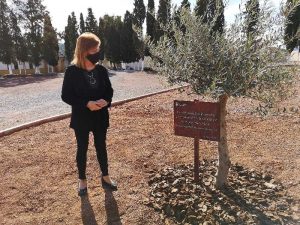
<point x="185" y="4"/>
<point x="5" y="35"/>
<point x="251" y="17"/>
<point x="81" y="24"/>
<point x="128" y="40"/>
<point x="201" y="9"/>
<point x="219" y="21"/>
<point x="139" y="14"/>
<point x="20" y="51"/>
<point x="111" y="29"/>
<point x="71" y="36"/>
<point x="163" y="16"/>
<point x="150" y="20"/>
<point x="50" y="43"/>
<point x="91" y="22"/>
<point x="101" y="30"/>
<point x="164" y="11"/>
<point x="34" y="12"/>
<point x="211" y="11"/>
<point x="68" y="53"/>
<point x="114" y="40"/>
<point x="292" y="28"/>
<point x="105" y="26"/>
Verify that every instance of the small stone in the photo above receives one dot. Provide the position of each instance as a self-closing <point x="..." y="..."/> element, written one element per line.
<point x="174" y="190"/>
<point x="204" y="208"/>
<point x="217" y="208"/>
<point x="270" y="185"/>
<point x="176" y="182"/>
<point x="295" y="216"/>
<point x="207" y="183"/>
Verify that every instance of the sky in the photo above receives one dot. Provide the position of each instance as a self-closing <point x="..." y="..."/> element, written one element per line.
<point x="61" y="9"/>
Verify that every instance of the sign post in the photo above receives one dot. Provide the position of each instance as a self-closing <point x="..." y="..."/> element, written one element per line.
<point x="199" y="120"/>
<point x="196" y="160"/>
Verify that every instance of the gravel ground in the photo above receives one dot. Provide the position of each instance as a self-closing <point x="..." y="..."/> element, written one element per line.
<point x="26" y="99"/>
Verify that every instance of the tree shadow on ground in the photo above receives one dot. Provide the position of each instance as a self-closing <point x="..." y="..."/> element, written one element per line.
<point x="12" y="81"/>
<point x="87" y="212"/>
<point x="112" y="211"/>
<point x="241" y="202"/>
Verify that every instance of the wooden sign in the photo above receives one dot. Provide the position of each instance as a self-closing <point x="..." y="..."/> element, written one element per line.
<point x="197" y="119"/>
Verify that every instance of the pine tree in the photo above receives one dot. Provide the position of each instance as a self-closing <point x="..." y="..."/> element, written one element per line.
<point x="91" y="22"/>
<point x="81" y="24"/>
<point x="34" y="12"/>
<point x="6" y="53"/>
<point x="128" y="39"/>
<point x="71" y="36"/>
<point x="50" y="43"/>
<point x="211" y="11"/>
<point x="163" y="16"/>
<point x="139" y="14"/>
<point x="20" y="51"/>
<point x="150" y="20"/>
<point x="251" y="17"/>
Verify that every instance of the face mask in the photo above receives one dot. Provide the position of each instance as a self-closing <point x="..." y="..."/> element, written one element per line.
<point x="94" y="58"/>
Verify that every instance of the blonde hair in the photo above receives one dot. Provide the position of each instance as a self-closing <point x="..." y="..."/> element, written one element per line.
<point x="84" y="43"/>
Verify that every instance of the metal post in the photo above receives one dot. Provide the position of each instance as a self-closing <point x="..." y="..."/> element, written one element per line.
<point x="196" y="160"/>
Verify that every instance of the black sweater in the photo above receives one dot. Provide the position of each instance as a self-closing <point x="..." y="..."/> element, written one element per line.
<point x="77" y="92"/>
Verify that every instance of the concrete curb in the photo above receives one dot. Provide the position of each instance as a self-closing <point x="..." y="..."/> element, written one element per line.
<point x="66" y="115"/>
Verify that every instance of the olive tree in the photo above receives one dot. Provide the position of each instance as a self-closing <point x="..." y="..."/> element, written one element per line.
<point x="225" y="65"/>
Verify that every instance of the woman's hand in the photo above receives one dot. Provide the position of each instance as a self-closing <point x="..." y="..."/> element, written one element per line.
<point x="101" y="103"/>
<point x="93" y="106"/>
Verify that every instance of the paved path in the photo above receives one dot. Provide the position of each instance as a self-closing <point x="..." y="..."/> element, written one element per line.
<point x="24" y="100"/>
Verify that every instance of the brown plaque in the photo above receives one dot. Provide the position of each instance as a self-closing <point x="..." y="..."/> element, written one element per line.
<point x="197" y="119"/>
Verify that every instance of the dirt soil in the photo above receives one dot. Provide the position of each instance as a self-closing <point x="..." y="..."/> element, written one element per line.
<point x="39" y="175"/>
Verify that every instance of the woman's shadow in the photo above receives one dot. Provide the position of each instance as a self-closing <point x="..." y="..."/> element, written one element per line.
<point x="87" y="212"/>
<point x="111" y="208"/>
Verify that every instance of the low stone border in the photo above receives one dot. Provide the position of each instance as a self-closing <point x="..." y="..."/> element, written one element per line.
<point x="66" y="115"/>
<point x="29" y="75"/>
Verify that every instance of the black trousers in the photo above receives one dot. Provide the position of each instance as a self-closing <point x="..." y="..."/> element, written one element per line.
<point x="82" y="138"/>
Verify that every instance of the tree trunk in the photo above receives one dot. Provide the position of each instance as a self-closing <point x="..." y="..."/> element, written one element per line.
<point x="224" y="161"/>
<point x="37" y="70"/>
<point x="20" y="70"/>
<point x="24" y="67"/>
<point x="9" y="69"/>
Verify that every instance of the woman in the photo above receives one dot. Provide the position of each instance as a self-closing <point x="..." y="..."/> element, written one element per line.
<point x="87" y="88"/>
